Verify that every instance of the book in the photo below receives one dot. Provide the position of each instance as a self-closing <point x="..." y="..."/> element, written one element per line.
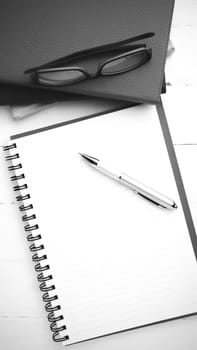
<point x="69" y="27"/>
<point x="107" y="260"/>
<point x="17" y="95"/>
<point x="19" y="112"/>
<point x="70" y="105"/>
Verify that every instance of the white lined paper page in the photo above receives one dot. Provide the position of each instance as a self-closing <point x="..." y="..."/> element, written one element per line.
<point x="118" y="261"/>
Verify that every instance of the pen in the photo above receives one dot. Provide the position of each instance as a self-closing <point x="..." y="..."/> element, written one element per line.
<point x="139" y="188"/>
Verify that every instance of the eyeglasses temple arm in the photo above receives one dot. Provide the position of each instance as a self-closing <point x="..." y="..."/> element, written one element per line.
<point x="95" y="49"/>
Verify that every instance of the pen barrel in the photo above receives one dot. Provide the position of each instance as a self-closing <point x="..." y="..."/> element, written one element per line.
<point x="109" y="170"/>
<point x="143" y="190"/>
<point x="147" y="192"/>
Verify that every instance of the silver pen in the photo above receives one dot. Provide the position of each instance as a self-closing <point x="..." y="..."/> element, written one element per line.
<point x="139" y="188"/>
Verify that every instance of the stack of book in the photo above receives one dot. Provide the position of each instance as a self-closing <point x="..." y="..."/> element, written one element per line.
<point x="48" y="34"/>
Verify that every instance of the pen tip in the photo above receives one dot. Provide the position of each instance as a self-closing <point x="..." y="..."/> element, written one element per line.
<point x="83" y="155"/>
<point x="175" y="206"/>
<point x="89" y="159"/>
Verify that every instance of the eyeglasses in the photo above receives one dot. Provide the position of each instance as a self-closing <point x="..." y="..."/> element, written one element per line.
<point x="111" y="59"/>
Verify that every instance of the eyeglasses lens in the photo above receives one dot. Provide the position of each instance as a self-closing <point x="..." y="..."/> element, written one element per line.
<point x="60" y="77"/>
<point x="123" y="64"/>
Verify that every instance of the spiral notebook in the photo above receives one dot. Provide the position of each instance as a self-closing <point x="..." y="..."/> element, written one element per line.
<point x="107" y="260"/>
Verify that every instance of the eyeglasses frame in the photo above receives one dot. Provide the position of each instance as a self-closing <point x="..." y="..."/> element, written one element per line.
<point x="98" y="73"/>
<point x="52" y="66"/>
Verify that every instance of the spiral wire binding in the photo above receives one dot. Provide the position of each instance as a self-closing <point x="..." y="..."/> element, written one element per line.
<point x="34" y="248"/>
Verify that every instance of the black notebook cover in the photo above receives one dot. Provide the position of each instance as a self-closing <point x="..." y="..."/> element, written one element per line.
<point x="34" y="33"/>
<point x="16" y="95"/>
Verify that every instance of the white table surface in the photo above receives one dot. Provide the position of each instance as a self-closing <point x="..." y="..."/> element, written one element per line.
<point x="23" y="324"/>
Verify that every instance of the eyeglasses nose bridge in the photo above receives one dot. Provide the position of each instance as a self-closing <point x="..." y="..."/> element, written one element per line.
<point x="93" y="74"/>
